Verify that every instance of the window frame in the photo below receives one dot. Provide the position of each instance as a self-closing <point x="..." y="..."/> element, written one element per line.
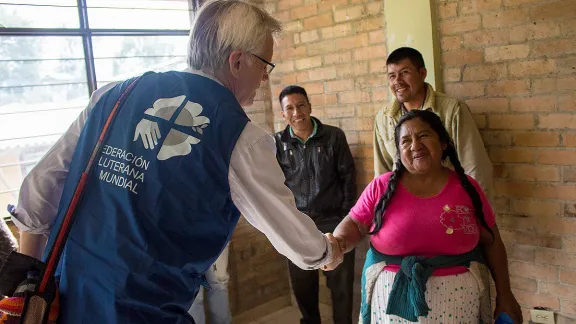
<point x="86" y="33"/>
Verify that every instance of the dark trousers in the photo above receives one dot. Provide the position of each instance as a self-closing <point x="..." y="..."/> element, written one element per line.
<point x="339" y="281"/>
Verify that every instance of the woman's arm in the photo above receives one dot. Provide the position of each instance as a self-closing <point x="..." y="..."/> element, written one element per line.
<point x="497" y="261"/>
<point x="349" y="232"/>
<point x="32" y="244"/>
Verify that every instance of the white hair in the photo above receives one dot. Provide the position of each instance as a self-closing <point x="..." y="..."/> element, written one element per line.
<point x="223" y="26"/>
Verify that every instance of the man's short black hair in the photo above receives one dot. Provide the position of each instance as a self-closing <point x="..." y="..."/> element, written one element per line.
<point x="403" y="53"/>
<point x="292" y="89"/>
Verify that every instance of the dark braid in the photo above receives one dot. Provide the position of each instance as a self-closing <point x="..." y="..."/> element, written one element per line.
<point x="387" y="196"/>
<point x="469" y="187"/>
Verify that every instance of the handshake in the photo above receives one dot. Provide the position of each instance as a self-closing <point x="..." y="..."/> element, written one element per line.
<point x="338" y="250"/>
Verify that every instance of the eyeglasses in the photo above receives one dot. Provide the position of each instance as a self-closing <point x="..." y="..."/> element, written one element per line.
<point x="270" y="66"/>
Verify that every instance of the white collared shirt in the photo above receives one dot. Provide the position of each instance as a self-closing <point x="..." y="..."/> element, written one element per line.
<point x="255" y="178"/>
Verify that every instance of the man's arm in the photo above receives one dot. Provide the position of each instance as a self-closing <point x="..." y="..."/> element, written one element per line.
<point x="346" y="172"/>
<point x="41" y="189"/>
<point x="258" y="191"/>
<point x="383" y="161"/>
<point x="471" y="150"/>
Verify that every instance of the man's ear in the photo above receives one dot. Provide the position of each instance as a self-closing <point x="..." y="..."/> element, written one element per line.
<point x="423" y="73"/>
<point x="235" y="63"/>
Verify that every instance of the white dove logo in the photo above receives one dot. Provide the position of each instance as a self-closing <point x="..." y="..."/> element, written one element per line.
<point x="182" y="115"/>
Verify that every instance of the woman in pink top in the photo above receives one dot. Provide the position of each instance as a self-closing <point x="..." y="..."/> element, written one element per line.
<point x="426" y="210"/>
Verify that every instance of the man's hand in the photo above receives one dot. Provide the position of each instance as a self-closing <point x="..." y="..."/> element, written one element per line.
<point x="337" y="252"/>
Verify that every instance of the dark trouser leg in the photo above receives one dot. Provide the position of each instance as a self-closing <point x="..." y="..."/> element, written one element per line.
<point x="305" y="286"/>
<point x="341" y="284"/>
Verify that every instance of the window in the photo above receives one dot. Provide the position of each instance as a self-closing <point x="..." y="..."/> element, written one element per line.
<point x="55" y="53"/>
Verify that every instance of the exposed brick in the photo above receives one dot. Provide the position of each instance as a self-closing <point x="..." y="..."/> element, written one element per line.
<point x="532" y="173"/>
<point x="569" y="139"/>
<point x="340" y="111"/>
<point x="340" y="85"/>
<point x="339" y="30"/>
<point x="520" y="253"/>
<point x="293" y="26"/>
<point x="350" y="97"/>
<point x="378" y="66"/>
<point x="473" y="6"/>
<point x="536" y="208"/>
<point x="286" y="4"/>
<point x="556" y="258"/>
<point x="376" y="37"/>
<point x="568" y="277"/>
<point x="570" y="210"/>
<point x="456" y="58"/>
<point x="534" y="31"/>
<point x="557" y="121"/>
<point x="358" y="124"/>
<point x="556" y="192"/>
<point x="542" y="103"/>
<point x="485" y="72"/>
<point x="337" y="58"/>
<point x="304" y="11"/>
<point x="480" y="121"/>
<point x="368" y="24"/>
<point x="488" y="105"/>
<point x="374" y="8"/>
<point x="555" y="289"/>
<point x="309" y="36"/>
<point x="369" y="52"/>
<point x="313" y="87"/>
<point x="372" y="82"/>
<point x="307" y="63"/>
<point x="286" y="66"/>
<point x="465" y="89"/>
<point x="502" y="88"/>
<point x="543" y="240"/>
<point x="485" y="37"/>
<point x="512" y="3"/>
<point x="367" y="110"/>
<point x="323" y="99"/>
<point x="555" y="47"/>
<point x="554" y="84"/>
<point x="321" y="47"/>
<point x="523" y="284"/>
<point x="557" y="157"/>
<point x="379" y="95"/>
<point x="526" y="270"/>
<point x="529" y="68"/>
<point x="292" y="52"/>
<point x="302" y="76"/>
<point x="352" y="69"/>
<point x="450" y="43"/>
<point x="330" y="5"/>
<point x="511" y="155"/>
<point x="323" y="20"/>
<point x="325" y="73"/>
<point x="504" y="18"/>
<point x="562" y="9"/>
<point x="283" y="16"/>
<point x="529" y="300"/>
<point x="352" y="42"/>
<point x="447" y="9"/>
<point x="508" y="52"/>
<point x="566" y="65"/>
<point x="491" y="138"/>
<point x="511" y="121"/>
<point x="567" y="102"/>
<point x="514" y="189"/>
<point x="459" y="25"/>
<point x="452" y="74"/>
<point x="550" y="139"/>
<point x="350" y="13"/>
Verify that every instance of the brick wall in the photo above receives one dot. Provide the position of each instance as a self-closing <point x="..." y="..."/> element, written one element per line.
<point x="514" y="63"/>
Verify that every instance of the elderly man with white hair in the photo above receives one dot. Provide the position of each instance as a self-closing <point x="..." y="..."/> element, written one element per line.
<point x="180" y="163"/>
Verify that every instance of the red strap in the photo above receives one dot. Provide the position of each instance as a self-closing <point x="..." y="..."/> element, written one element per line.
<point x="56" y="251"/>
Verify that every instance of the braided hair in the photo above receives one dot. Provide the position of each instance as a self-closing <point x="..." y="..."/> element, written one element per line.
<point x="449" y="152"/>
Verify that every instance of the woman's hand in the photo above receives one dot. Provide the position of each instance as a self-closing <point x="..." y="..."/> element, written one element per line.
<point x="506" y="303"/>
<point x="337" y="250"/>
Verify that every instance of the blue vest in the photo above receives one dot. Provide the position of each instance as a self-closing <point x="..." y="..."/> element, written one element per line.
<point x="157" y="209"/>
